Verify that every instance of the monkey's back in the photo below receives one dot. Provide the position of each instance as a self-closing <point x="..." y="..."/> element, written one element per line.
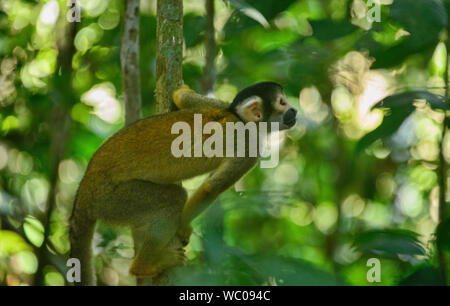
<point x="143" y="151"/>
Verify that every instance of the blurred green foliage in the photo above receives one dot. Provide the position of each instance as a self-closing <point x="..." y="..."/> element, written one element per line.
<point x="358" y="178"/>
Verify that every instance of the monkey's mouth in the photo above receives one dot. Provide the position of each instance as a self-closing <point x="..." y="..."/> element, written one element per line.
<point x="290" y="123"/>
<point x="290" y="117"/>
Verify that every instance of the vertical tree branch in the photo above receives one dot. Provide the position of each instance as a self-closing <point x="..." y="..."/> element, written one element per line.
<point x="169" y="74"/>
<point x="169" y="52"/>
<point x="129" y="58"/>
<point x="213" y="238"/>
<point x="62" y="97"/>
<point x="209" y="73"/>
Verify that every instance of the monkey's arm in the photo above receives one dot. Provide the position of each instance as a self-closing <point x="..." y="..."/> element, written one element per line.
<point x="184" y="97"/>
<point x="228" y="173"/>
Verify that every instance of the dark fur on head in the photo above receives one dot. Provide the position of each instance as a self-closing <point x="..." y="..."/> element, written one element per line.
<point x="267" y="91"/>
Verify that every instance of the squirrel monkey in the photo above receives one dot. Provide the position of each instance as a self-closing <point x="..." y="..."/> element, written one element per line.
<point x="133" y="179"/>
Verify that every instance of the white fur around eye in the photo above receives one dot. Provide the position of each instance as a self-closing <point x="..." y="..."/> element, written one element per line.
<point x="243" y="110"/>
<point x="278" y="106"/>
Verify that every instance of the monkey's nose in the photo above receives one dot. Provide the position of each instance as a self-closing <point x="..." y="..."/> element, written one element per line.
<point x="289" y="116"/>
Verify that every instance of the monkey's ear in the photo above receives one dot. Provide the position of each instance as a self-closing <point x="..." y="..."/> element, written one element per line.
<point x="250" y="109"/>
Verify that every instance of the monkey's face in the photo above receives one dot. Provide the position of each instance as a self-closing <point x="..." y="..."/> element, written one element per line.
<point x="282" y="112"/>
<point x="265" y="102"/>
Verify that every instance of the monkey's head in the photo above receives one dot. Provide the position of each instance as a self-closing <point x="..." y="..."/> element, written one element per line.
<point x="264" y="102"/>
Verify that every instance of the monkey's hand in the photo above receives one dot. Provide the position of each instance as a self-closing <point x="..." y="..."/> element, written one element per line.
<point x="179" y="96"/>
<point x="184" y="233"/>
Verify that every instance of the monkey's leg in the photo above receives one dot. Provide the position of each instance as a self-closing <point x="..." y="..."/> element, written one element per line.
<point x="153" y="212"/>
<point x="157" y="247"/>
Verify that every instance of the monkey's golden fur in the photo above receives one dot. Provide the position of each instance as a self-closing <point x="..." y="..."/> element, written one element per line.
<point x="134" y="180"/>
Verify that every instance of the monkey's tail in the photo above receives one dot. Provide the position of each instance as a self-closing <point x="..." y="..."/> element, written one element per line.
<point x="82" y="228"/>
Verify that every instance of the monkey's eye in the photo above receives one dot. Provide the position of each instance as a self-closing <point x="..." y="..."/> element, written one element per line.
<point x="282" y="102"/>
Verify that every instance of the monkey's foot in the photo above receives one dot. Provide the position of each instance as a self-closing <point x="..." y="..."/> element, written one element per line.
<point x="171" y="255"/>
<point x="184" y="233"/>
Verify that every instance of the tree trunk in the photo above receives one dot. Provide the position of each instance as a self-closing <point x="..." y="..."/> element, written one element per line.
<point x="169" y="75"/>
<point x="169" y="52"/>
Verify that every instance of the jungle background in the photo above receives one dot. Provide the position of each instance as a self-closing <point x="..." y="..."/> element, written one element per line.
<point x="362" y="175"/>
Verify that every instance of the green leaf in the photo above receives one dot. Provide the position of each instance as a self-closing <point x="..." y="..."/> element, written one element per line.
<point x="389" y="126"/>
<point x="406" y="99"/>
<point x="438" y="64"/>
<point x="267" y="40"/>
<point x="250" y="12"/>
<point x="34" y="231"/>
<point x="291" y="272"/>
<point x="401" y="106"/>
<point x="424" y="276"/>
<point x="328" y="29"/>
<point x="389" y="243"/>
<point x="193" y="29"/>
<point x="11" y="243"/>
<point x="239" y="21"/>
<point x="424" y="19"/>
<point x="27" y="261"/>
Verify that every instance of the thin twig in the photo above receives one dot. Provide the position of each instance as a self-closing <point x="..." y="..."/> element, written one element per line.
<point x="129" y="58"/>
